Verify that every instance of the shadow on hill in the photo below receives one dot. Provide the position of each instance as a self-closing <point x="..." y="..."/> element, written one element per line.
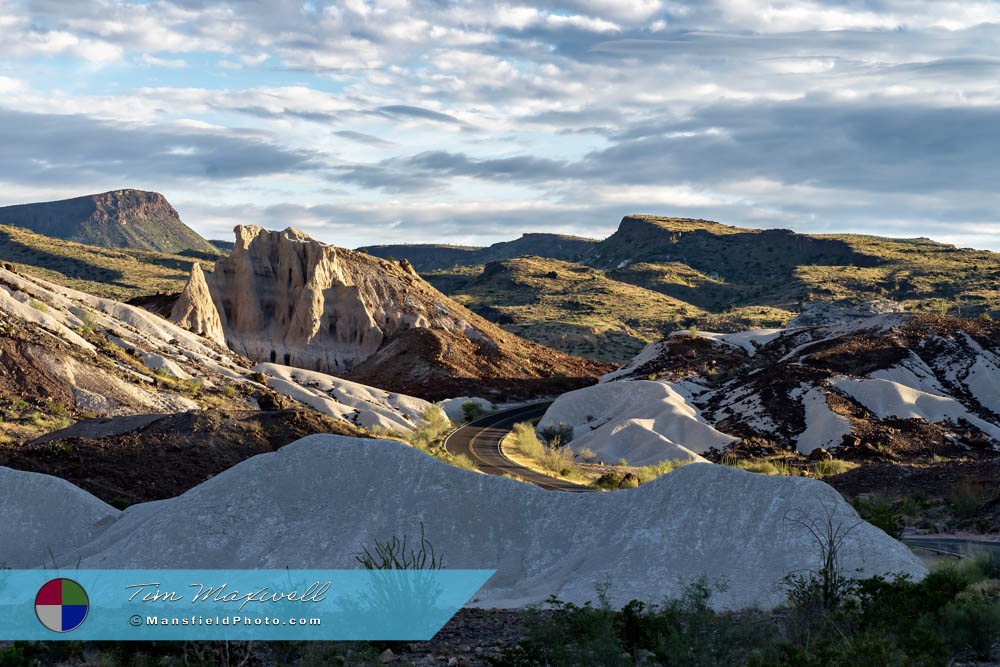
<point x="71" y="267"/>
<point x="751" y="263"/>
<point x="200" y="254"/>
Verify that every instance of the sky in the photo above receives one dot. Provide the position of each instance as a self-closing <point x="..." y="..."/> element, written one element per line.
<point x="453" y="121"/>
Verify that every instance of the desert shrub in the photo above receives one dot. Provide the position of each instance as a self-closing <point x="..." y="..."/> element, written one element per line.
<point x="56" y="409"/>
<point x="972" y="624"/>
<point x="833" y="467"/>
<point x="556" y="459"/>
<point x="433" y="424"/>
<point x="472" y="410"/>
<point x="393" y="555"/>
<point x="229" y="391"/>
<point x="39" y="306"/>
<point x="60" y="447"/>
<point x="462" y="461"/>
<point x="622" y="462"/>
<point x="527" y="440"/>
<point x="693" y="331"/>
<point x="762" y="467"/>
<point x="587" y="454"/>
<point x="881" y="513"/>
<point x="968" y="499"/>
<point x="88" y="322"/>
<point x="684" y="631"/>
<point x="556" y="434"/>
<point x="651" y="472"/>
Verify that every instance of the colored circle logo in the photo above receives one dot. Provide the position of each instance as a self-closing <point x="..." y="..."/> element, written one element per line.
<point x="62" y="605"/>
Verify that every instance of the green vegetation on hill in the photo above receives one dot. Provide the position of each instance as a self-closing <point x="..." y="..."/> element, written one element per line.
<point x="114" y="273"/>
<point x="117" y="219"/>
<point x="658" y="274"/>
<point x="572" y="308"/>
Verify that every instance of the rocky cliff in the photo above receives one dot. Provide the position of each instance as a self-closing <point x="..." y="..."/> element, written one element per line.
<point x="284" y="297"/>
<point x="117" y="219"/>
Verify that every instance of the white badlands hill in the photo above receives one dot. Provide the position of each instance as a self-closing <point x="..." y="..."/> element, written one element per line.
<point x="891" y="383"/>
<point x="317" y="502"/>
<point x="99" y="379"/>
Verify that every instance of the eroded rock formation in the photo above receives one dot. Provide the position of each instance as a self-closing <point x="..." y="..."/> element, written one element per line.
<point x="195" y="311"/>
<point x="283" y="297"/>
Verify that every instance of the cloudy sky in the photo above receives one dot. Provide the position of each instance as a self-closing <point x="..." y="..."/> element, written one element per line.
<point x="378" y="121"/>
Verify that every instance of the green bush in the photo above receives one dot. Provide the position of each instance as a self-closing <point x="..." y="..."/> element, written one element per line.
<point x="433" y="424"/>
<point x="472" y="410"/>
<point x="881" y="513"/>
<point x="968" y="499"/>
<point x="556" y="434"/>
<point x="527" y="440"/>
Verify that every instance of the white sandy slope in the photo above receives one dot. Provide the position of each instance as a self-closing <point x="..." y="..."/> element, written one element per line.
<point x="42" y="516"/>
<point x="319" y="501"/>
<point x="643" y="421"/>
<point x="749" y="341"/>
<point x="891" y="399"/>
<point x="343" y="399"/>
<point x="825" y="429"/>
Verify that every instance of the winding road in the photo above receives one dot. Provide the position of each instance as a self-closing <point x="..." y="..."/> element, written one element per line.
<point x="480" y="441"/>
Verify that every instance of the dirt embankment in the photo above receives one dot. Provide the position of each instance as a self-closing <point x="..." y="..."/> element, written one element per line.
<point x="166" y="456"/>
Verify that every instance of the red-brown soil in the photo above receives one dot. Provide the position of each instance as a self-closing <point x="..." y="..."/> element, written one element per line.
<point x="170" y="455"/>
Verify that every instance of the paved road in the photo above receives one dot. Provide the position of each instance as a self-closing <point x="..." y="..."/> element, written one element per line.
<point x="951" y="545"/>
<point x="480" y="441"/>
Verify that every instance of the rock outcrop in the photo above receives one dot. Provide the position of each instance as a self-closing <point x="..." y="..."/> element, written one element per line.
<point x="195" y="311"/>
<point x="282" y="297"/>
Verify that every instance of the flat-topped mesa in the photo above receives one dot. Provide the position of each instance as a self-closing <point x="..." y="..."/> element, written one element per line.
<point x="125" y="218"/>
<point x="287" y="298"/>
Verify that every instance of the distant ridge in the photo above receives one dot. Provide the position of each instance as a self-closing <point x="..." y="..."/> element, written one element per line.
<point x="117" y="219"/>
<point x="430" y="257"/>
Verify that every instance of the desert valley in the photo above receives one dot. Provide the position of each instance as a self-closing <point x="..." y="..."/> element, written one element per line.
<point x="681" y="404"/>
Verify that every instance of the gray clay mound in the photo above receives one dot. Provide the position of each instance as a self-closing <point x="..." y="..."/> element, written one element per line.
<point x="317" y="502"/>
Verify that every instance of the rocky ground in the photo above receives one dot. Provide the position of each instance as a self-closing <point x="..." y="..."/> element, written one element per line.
<point x="127" y="460"/>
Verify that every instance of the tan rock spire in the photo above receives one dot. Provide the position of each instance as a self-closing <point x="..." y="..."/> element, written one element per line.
<point x="195" y="309"/>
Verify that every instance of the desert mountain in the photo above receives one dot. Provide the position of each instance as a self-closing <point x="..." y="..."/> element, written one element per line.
<point x="117" y="219"/>
<point x="893" y="387"/>
<point x="429" y="257"/>
<point x="282" y="297"/>
<point x="719" y="278"/>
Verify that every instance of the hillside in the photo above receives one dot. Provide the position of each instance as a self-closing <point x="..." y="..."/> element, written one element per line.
<point x="429" y="257"/>
<point x="113" y="273"/>
<point x="566" y="306"/>
<point x="719" y="278"/>
<point x="118" y="219"/>
<point x="285" y="297"/>
<point x="732" y="272"/>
